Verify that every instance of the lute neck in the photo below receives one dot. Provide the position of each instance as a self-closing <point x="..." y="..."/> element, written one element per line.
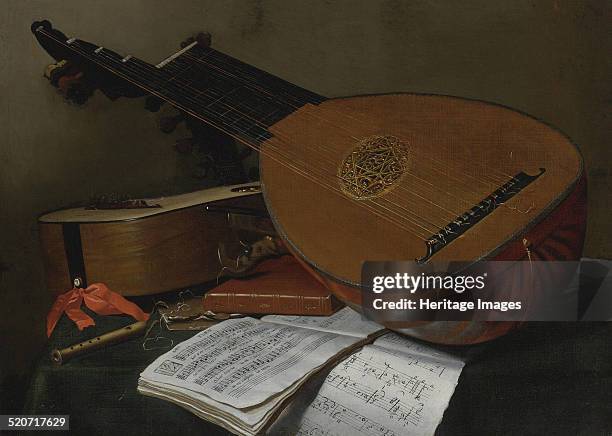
<point x="232" y="96"/>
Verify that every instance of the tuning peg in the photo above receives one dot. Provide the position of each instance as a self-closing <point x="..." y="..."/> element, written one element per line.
<point x="53" y="72"/>
<point x="37" y="26"/>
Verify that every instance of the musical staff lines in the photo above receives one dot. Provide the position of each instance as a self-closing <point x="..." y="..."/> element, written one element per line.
<point x="380" y="385"/>
<point x="394" y="387"/>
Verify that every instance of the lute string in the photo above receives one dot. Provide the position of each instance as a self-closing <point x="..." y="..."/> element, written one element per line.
<point x="322" y="175"/>
<point x="436" y="225"/>
<point x="252" y="81"/>
<point x="255" y="86"/>
<point x="343" y="114"/>
<point x="140" y="72"/>
<point x="453" y="214"/>
<point x="281" y="162"/>
<point x="176" y="73"/>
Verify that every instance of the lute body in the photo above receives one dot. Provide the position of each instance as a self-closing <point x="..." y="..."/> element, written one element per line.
<point x="458" y="153"/>
<point x="382" y="177"/>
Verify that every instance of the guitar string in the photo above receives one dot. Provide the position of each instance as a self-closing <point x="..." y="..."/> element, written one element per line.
<point x="255" y="86"/>
<point x="469" y="202"/>
<point x="258" y="88"/>
<point x="281" y="162"/>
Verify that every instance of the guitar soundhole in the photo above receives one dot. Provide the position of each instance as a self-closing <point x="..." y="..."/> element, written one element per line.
<point x="375" y="166"/>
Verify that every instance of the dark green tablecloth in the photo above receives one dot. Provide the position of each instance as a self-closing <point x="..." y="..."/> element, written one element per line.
<point x="547" y="378"/>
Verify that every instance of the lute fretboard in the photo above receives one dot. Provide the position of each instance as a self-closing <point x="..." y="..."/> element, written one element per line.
<point x="237" y="98"/>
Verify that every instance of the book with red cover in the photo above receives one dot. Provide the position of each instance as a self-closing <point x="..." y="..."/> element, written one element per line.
<point x="276" y="286"/>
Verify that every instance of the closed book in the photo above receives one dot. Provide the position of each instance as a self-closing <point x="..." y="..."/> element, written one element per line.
<point x="277" y="286"/>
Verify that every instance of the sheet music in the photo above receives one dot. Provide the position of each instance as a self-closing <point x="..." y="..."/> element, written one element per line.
<point x="243" y="362"/>
<point x="346" y="321"/>
<point x="377" y="391"/>
<point x="422" y="355"/>
<point x="214" y="411"/>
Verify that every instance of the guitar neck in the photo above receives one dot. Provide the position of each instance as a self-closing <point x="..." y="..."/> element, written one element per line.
<point x="232" y="96"/>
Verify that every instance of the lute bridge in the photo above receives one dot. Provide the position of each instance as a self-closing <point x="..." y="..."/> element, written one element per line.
<point x="464" y="222"/>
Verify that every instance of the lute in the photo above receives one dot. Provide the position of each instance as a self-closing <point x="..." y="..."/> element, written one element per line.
<point x="399" y="176"/>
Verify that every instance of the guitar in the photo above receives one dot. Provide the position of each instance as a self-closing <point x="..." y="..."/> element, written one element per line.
<point x="400" y="176"/>
<point x="149" y="246"/>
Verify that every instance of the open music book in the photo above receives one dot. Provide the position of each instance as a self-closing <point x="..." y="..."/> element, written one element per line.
<point x="241" y="373"/>
<point x="393" y="387"/>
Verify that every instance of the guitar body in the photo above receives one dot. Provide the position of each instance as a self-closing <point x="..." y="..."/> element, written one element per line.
<point x="455" y="153"/>
<point x="144" y="251"/>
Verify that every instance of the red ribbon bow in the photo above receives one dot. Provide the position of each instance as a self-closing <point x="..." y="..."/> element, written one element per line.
<point x="98" y="298"/>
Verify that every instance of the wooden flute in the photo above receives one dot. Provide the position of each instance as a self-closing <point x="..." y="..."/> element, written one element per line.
<point x="60" y="356"/>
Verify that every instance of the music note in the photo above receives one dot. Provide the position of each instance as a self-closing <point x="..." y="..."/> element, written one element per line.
<point x="393" y="387"/>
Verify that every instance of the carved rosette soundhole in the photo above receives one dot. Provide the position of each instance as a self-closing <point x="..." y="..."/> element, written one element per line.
<point x="375" y="166"/>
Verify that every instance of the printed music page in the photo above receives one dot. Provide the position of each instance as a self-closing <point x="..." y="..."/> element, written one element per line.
<point x="393" y="387"/>
<point x="244" y="362"/>
<point x="241" y="421"/>
<point x="346" y="321"/>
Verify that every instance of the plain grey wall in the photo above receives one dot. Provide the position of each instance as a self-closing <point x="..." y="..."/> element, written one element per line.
<point x="548" y="58"/>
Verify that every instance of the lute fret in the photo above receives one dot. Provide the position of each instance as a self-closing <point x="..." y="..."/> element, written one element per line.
<point x="198" y="92"/>
<point x="228" y="94"/>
